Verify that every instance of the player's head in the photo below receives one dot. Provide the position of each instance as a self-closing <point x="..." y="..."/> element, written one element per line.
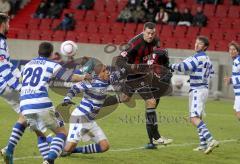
<point x="233" y="49"/>
<point x="4" y="23"/>
<point x="201" y="43"/>
<point x="45" y="49"/>
<point x="102" y="71"/>
<point x="149" y="31"/>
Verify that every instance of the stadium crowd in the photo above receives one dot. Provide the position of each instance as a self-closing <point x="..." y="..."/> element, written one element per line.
<point x="11" y="6"/>
<point x="162" y="13"/>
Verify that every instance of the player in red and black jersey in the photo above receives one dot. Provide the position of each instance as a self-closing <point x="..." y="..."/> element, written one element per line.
<point x="142" y="45"/>
<point x="138" y="52"/>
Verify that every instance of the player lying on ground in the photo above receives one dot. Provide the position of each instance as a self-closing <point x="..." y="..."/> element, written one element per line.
<point x="82" y="122"/>
<point x="200" y="69"/>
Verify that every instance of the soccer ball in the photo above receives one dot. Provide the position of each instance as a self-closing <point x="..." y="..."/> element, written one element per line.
<point x="68" y="48"/>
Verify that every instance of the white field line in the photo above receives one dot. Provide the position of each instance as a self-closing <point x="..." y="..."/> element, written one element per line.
<point x="132" y="149"/>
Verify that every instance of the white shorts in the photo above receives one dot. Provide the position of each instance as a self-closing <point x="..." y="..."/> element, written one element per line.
<point x="237" y="104"/>
<point x="44" y="120"/>
<point x="11" y="96"/>
<point x="197" y="100"/>
<point x="84" y="130"/>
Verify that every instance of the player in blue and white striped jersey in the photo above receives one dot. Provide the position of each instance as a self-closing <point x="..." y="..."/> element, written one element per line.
<point x="234" y="52"/>
<point x="9" y="75"/>
<point x="35" y="104"/>
<point x="9" y="88"/>
<point x="200" y="69"/>
<point x="82" y="123"/>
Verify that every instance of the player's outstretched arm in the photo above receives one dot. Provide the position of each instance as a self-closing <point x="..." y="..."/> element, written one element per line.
<point x="72" y="92"/>
<point x="189" y="64"/>
<point x="78" y="78"/>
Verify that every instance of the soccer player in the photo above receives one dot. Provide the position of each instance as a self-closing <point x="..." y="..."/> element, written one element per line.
<point x="139" y="51"/>
<point x="9" y="88"/>
<point x="82" y="123"/>
<point x="200" y="69"/>
<point x="234" y="52"/>
<point x="35" y="104"/>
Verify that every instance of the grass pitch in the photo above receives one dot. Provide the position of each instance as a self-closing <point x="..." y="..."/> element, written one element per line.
<point x="125" y="129"/>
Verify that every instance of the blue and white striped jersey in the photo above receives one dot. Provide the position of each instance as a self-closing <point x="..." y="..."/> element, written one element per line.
<point x="235" y="79"/>
<point x="199" y="67"/>
<point x="94" y="94"/>
<point x="9" y="75"/>
<point x="35" y="83"/>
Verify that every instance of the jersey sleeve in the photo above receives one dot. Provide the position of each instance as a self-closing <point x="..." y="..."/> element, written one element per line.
<point x="62" y="73"/>
<point x="189" y="64"/>
<point x="77" y="88"/>
<point x="6" y="73"/>
<point x="15" y="71"/>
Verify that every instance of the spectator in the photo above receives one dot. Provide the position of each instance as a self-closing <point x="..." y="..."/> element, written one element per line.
<point x="174" y="17"/>
<point x="134" y="3"/>
<point x="125" y="15"/>
<point x="199" y="19"/>
<point x="236" y="2"/>
<point x="161" y="16"/>
<point x="150" y="15"/>
<point x="138" y="15"/>
<point x="15" y="6"/>
<point x="201" y="1"/>
<point x="86" y="5"/>
<point x="151" y="4"/>
<point x="148" y="4"/>
<point x="170" y="6"/>
<point x="62" y="3"/>
<point x="159" y="4"/>
<point x="5" y="6"/>
<point x="186" y="18"/>
<point x="208" y="1"/>
<point x="67" y="24"/>
<point x="54" y="10"/>
<point x="41" y="11"/>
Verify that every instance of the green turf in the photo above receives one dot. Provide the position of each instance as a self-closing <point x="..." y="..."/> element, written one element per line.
<point x="125" y="129"/>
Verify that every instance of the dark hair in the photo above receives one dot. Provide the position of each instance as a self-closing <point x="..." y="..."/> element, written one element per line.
<point x="3" y="18"/>
<point x="235" y="44"/>
<point x="45" y="49"/>
<point x="204" y="39"/>
<point x="149" y="25"/>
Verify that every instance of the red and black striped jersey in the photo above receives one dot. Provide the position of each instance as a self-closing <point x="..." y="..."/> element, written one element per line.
<point x="138" y="49"/>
